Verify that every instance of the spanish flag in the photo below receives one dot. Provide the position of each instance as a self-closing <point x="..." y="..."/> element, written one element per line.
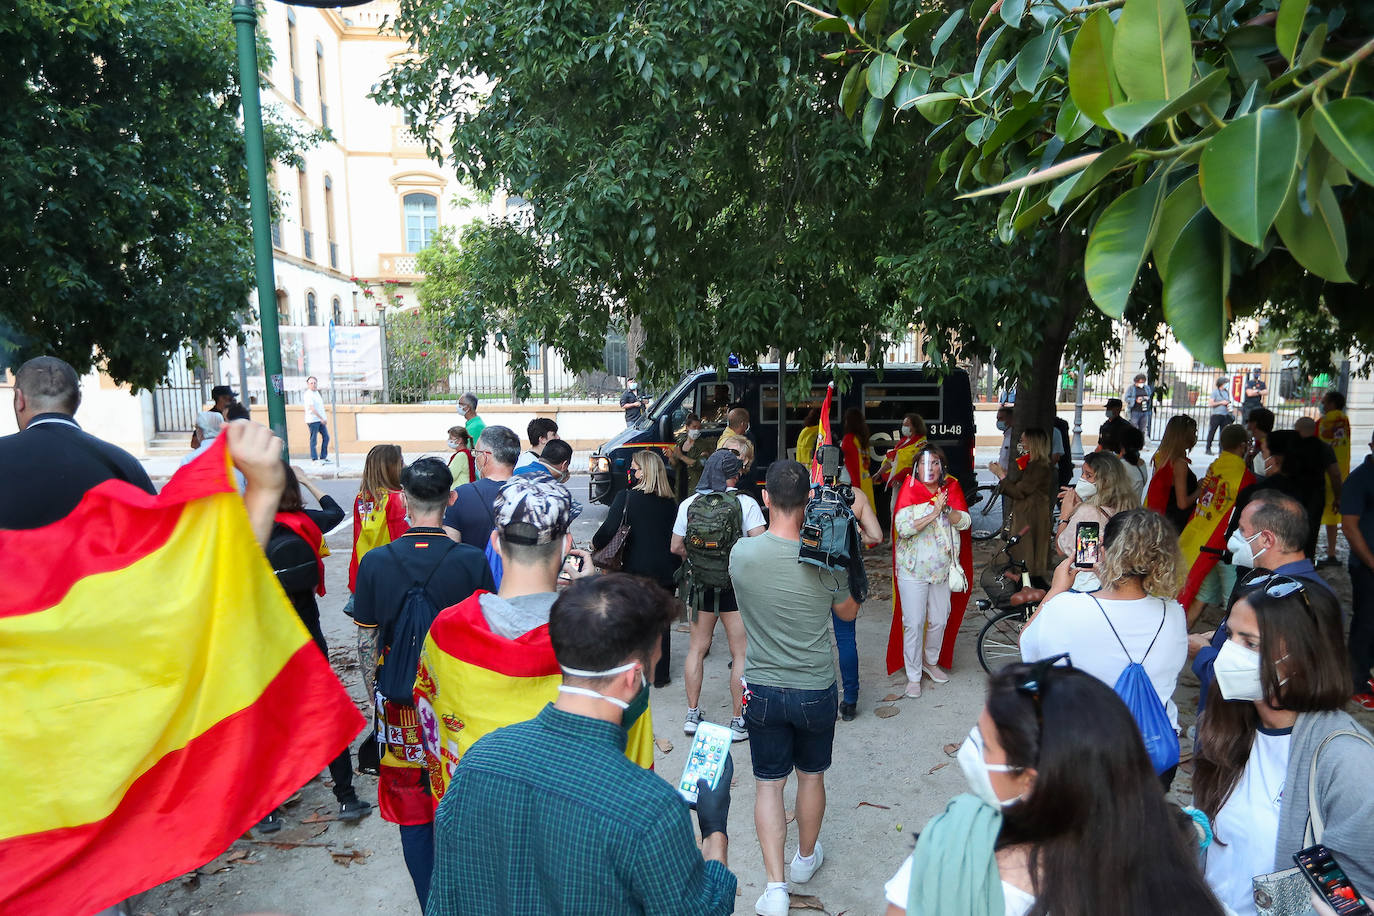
<point x="1204" y="537"/>
<point x="824" y="437"/>
<point x="1334" y="429"/>
<point x="160" y="695"/>
<point x="472" y="681"/>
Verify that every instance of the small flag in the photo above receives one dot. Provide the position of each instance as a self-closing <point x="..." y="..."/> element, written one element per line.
<point x="824" y="437"/>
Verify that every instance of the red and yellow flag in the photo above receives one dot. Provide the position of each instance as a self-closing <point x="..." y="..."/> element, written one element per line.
<point x="1204" y="537"/>
<point x="1334" y="429"/>
<point x="823" y="437"/>
<point x="160" y="694"/>
<point x="473" y="681"/>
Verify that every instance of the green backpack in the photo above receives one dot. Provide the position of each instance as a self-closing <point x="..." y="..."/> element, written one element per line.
<point x="715" y="521"/>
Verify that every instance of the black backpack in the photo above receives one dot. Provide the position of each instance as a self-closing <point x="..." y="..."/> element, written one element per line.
<point x="396" y="672"/>
<point x="293" y="560"/>
<point x="1065" y="468"/>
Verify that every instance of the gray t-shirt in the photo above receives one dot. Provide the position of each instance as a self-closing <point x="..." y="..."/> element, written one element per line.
<point x="785" y="606"/>
<point x="514" y="617"/>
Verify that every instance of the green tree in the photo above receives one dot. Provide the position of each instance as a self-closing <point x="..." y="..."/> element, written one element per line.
<point x="124" y="227"/>
<point x="1215" y="156"/>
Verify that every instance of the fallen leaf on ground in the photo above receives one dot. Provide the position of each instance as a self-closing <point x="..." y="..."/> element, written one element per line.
<point x="951" y="750"/>
<point x="664" y="745"/>
<point x="800" y="902"/>
<point x="234" y="854"/>
<point x="348" y="856"/>
<point x="886" y="712"/>
<point x="892" y="698"/>
<point x="863" y="804"/>
<point x="319" y="817"/>
<point x="938" y="766"/>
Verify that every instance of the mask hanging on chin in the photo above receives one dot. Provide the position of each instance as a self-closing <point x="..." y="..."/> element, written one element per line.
<point x="977" y="770"/>
<point x="632" y="710"/>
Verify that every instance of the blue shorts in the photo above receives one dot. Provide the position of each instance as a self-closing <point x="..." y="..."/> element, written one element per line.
<point x="790" y="728"/>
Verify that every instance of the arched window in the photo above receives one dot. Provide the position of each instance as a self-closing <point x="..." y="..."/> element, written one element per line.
<point x="283" y="307"/>
<point x="312" y="315"/>
<point x="337" y="311"/>
<point x="319" y="81"/>
<point x="307" y="237"/>
<point x="421" y="219"/>
<point x="291" y="56"/>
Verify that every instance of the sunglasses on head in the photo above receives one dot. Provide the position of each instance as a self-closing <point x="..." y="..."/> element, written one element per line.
<point x="1277" y="585"/>
<point x="1036" y="679"/>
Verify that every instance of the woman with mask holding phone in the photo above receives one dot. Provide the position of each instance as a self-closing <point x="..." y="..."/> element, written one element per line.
<point x="1060" y="818"/>
<point x="689" y="455"/>
<point x="1102" y="490"/>
<point x="1276" y="702"/>
<point x="929" y="543"/>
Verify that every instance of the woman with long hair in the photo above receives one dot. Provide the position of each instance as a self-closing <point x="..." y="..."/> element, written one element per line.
<point x="898" y="461"/>
<point x="461" y="464"/>
<point x="854" y="447"/>
<point x="1103" y="489"/>
<point x="379" y="509"/>
<point x="1276" y="703"/>
<point x="1173" y="487"/>
<point x="650" y="509"/>
<point x="1029" y="486"/>
<point x="1065" y="816"/>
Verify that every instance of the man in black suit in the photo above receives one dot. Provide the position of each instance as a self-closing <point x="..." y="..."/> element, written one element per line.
<point x="51" y="463"/>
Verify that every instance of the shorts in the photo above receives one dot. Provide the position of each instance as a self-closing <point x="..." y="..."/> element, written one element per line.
<point x="716" y="601"/>
<point x="1217" y="585"/>
<point x="790" y="728"/>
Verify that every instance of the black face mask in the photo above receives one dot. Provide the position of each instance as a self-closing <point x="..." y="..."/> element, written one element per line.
<point x="634" y="478"/>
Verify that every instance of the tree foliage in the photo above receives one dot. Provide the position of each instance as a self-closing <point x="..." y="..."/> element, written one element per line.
<point x="124" y="227"/>
<point x="1216" y="155"/>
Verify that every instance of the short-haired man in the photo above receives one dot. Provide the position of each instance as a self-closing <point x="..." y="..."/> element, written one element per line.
<point x="1254" y="391"/>
<point x="316" y="419"/>
<point x="51" y="463"/>
<point x="1138" y="398"/>
<point x="467" y="406"/>
<point x="554" y="462"/>
<point x="1357" y="520"/>
<point x="1269" y="537"/>
<point x="1260" y="423"/>
<point x="469" y="519"/>
<point x="790" y="716"/>
<point x="448" y="574"/>
<point x="549" y="816"/>
<point x="632" y="402"/>
<point x="1115" y="425"/>
<point x="221" y="396"/>
<point x="1325" y="455"/>
<point x="541" y="431"/>
<point x="737" y="420"/>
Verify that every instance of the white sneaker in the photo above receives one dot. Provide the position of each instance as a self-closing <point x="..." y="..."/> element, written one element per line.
<point x="774" y="901"/>
<point x="935" y="673"/>
<point x="913" y="688"/>
<point x="689" y="725"/>
<point x="737" y="729"/>
<point x="798" y="873"/>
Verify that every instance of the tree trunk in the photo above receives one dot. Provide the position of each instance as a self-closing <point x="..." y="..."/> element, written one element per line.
<point x="1036" y="396"/>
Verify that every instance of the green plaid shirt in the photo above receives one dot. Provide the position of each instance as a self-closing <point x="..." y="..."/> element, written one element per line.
<point x="549" y="816"/>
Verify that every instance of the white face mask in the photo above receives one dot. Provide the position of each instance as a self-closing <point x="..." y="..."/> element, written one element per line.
<point x="693" y="434"/>
<point x="1259" y="465"/>
<point x="588" y="692"/>
<point x="1242" y="552"/>
<point x="906" y="432"/>
<point x="1085" y="489"/>
<point x="453" y="443"/>
<point x="1237" y="670"/>
<point x="976" y="771"/>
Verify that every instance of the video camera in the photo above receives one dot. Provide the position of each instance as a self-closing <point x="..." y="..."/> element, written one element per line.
<point x="832" y="462"/>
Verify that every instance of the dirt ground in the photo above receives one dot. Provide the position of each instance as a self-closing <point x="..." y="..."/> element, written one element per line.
<point x="893" y="769"/>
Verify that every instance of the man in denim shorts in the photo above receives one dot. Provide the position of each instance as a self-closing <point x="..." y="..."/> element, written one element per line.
<point x="790" y="714"/>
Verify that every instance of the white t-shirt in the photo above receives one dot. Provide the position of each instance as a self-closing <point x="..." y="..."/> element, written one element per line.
<point x="1249" y="823"/>
<point x="1018" y="902"/>
<point x="314" y="407"/>
<point x="753" y="515"/>
<point x="1071" y="622"/>
<point x="526" y="459"/>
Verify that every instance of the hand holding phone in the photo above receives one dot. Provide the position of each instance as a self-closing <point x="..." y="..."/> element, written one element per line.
<point x="1330" y="881"/>
<point x="706" y="759"/>
<point x="1087" y="545"/>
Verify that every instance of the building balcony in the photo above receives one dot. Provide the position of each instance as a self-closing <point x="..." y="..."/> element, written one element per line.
<point x="405" y="142"/>
<point x="398" y="267"/>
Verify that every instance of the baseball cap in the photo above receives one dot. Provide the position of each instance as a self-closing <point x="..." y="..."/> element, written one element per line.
<point x="427" y="479"/>
<point x="532" y="510"/>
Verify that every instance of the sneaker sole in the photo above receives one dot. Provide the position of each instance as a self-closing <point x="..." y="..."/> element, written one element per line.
<point x="689" y="728"/>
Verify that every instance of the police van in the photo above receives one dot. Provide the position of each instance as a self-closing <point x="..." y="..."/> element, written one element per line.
<point x="944" y="402"/>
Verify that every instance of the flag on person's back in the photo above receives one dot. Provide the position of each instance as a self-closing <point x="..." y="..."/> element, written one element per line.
<point x="160" y="694"/>
<point x="824" y="437"/>
<point x="473" y="681"/>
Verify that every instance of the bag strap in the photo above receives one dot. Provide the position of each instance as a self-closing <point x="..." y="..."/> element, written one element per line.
<point x="1163" y="617"/>
<point x="1315" y="823"/>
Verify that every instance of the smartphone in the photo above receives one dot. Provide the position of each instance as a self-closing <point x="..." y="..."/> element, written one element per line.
<point x="1329" y="880"/>
<point x="706" y="759"/>
<point x="1087" y="544"/>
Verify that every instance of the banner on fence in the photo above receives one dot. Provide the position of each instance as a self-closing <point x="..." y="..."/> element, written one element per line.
<point x="305" y="352"/>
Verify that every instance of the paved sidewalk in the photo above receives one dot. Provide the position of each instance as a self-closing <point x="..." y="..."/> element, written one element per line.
<point x="344" y="466"/>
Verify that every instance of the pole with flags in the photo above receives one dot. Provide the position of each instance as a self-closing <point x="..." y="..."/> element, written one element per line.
<point x="824" y="437"/>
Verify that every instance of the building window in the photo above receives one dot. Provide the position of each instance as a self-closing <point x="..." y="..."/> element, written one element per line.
<point x="329" y="222"/>
<point x="312" y="314"/>
<point x="307" y="240"/>
<point x="283" y="307"/>
<point x="276" y="207"/>
<point x="422" y="220"/>
<point x="319" y="78"/>
<point x="337" y="311"/>
<point x="534" y="354"/>
<point x="292" y="56"/>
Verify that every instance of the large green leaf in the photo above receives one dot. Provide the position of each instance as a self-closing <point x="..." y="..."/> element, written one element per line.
<point x="852" y="90"/>
<point x="945" y="30"/>
<point x="1013" y="11"/>
<point x="1317" y="242"/>
<point x="1195" y="289"/>
<point x="936" y="107"/>
<point x="1182" y="204"/>
<point x="1132" y="117"/>
<point x="1153" y="52"/>
<point x="1246" y="171"/>
<point x="988" y="52"/>
<point x="1118" y="245"/>
<point x="1092" y="79"/>
<point x="1346" y="127"/>
<point x="1080" y="184"/>
<point x="920" y="27"/>
<point x="912" y="84"/>
<point x="882" y="75"/>
<point x="1288" y="27"/>
<point x="1070" y="124"/>
<point x="873" y="116"/>
<point x="1030" y="62"/>
<point x="1010" y="125"/>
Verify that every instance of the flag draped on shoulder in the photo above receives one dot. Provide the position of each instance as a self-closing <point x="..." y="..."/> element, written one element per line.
<point x="1204" y="537"/>
<point x="153" y="674"/>
<point x="473" y="681"/>
<point x="1334" y="429"/>
<point x="824" y="437"/>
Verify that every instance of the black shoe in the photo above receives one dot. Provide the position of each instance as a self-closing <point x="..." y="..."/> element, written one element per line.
<point x="270" y="824"/>
<point x="660" y="684"/>
<point x="354" y="809"/>
<point x="1330" y="561"/>
<point x="848" y="711"/>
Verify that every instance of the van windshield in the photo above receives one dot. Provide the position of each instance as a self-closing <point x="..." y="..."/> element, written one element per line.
<point x="700" y="393"/>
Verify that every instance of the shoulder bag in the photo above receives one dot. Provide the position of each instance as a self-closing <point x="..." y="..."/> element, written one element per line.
<point x="958" y="582"/>
<point x="611" y="558"/>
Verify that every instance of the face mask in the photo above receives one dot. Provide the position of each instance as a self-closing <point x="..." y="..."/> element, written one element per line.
<point x="1085" y="489"/>
<point x="1237" y="670"/>
<point x="1242" y="553"/>
<point x="1002" y="425"/>
<point x="1260" y="465"/>
<point x="632" y="710"/>
<point x="453" y="443"/>
<point x="906" y="432"/>
<point x="634" y="478"/>
<point x="976" y="771"/>
<point x="693" y="434"/>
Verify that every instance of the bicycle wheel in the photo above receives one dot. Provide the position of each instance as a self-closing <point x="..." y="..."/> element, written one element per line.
<point x="999" y="642"/>
<point x="986" y="512"/>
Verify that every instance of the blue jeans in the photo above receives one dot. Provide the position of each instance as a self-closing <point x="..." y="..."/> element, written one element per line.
<point x="790" y="728"/>
<point x="320" y="429"/>
<point x="849" y="657"/>
<point x="417" y="848"/>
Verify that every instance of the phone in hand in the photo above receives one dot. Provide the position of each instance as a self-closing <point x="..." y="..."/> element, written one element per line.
<point x="705" y="759"/>
<point x="1330" y="881"/>
<point x="1087" y="545"/>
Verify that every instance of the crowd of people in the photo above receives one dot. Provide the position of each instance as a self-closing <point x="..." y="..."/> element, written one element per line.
<point x="495" y="652"/>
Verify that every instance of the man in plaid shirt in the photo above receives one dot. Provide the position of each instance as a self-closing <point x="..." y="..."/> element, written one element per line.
<point x="549" y="816"/>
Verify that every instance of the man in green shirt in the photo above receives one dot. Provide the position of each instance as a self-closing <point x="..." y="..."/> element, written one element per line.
<point x="789" y="667"/>
<point x="549" y="816"/>
<point x="467" y="406"/>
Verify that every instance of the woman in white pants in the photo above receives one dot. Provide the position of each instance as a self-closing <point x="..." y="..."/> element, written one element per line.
<point x="930" y="511"/>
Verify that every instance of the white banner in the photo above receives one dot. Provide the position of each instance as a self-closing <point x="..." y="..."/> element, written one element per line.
<point x="305" y="352"/>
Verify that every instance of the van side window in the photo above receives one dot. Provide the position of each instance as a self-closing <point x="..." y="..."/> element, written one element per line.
<point x="713" y="403"/>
